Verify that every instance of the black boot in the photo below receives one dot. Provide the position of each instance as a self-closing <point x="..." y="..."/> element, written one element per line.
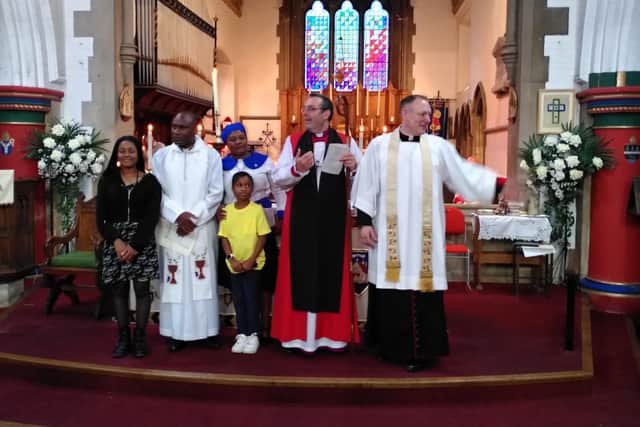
<point x="123" y="346"/>
<point x="140" y="343"/>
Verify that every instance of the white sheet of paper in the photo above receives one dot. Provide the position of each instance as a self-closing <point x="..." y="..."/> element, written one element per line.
<point x="167" y="236"/>
<point x="531" y="251"/>
<point x="332" y="163"/>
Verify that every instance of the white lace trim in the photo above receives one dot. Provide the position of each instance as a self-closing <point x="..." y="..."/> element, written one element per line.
<point x="512" y="227"/>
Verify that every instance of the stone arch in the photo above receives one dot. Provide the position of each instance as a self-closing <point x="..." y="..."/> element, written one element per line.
<point x="478" y="122"/>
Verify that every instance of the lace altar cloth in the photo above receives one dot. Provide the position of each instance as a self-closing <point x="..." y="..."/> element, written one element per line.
<point x="535" y="228"/>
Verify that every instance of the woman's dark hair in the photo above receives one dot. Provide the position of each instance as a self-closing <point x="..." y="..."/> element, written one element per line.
<point x="239" y="175"/>
<point x="112" y="167"/>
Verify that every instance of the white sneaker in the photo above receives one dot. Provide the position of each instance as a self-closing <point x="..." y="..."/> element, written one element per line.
<point x="238" y="346"/>
<point x="252" y="344"/>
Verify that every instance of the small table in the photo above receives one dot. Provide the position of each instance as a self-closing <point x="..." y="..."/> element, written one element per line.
<point x="526" y="228"/>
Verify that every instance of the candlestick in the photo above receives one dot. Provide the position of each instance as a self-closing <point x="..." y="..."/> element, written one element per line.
<point x="357" y="101"/>
<point x="366" y="103"/>
<point x="216" y="107"/>
<point x="330" y="91"/>
<point x="378" y="106"/>
<point x="361" y="137"/>
<point x="149" y="145"/>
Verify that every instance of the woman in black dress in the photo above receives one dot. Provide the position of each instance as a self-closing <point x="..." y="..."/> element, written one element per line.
<point x="127" y="211"/>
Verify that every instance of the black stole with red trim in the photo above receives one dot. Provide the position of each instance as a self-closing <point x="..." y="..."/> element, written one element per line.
<point x="317" y="236"/>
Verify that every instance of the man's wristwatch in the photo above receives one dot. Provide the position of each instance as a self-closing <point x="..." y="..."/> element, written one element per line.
<point x="229" y="257"/>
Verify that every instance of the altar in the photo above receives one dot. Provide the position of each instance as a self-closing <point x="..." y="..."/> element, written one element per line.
<point x="515" y="240"/>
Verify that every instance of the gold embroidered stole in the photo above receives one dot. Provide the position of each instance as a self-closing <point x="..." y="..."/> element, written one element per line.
<point x="393" y="258"/>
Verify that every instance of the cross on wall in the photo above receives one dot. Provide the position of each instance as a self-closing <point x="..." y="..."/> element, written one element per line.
<point x="555" y="108"/>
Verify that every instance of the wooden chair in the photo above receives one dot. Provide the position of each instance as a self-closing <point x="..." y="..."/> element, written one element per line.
<point x="63" y="267"/>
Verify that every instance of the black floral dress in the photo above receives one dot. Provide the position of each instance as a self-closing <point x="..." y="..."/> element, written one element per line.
<point x="130" y="213"/>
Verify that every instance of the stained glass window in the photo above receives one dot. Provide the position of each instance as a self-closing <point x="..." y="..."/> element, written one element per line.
<point x="316" y="55"/>
<point x="345" y="47"/>
<point x="376" y="47"/>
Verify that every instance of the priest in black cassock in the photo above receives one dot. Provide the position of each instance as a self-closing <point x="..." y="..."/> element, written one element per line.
<point x="399" y="200"/>
<point x="314" y="304"/>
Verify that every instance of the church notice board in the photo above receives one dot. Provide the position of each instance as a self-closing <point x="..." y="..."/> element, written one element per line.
<point x="555" y="107"/>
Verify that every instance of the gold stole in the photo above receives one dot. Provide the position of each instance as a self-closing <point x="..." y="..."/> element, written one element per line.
<point x="393" y="258"/>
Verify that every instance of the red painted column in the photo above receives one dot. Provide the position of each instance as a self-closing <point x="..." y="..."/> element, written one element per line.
<point x="613" y="280"/>
<point x="22" y="112"/>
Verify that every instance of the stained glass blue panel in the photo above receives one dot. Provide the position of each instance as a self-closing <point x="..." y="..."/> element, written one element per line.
<point x="316" y="48"/>
<point x="376" y="47"/>
<point x="345" y="51"/>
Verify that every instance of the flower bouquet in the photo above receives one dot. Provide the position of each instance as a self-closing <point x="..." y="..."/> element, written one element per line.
<point x="556" y="166"/>
<point x="65" y="153"/>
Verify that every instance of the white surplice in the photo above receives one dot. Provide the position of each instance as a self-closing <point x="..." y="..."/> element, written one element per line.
<point x="191" y="181"/>
<point x="472" y="181"/>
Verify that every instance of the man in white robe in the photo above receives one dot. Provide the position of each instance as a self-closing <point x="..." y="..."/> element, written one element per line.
<point x="190" y="173"/>
<point x="398" y="194"/>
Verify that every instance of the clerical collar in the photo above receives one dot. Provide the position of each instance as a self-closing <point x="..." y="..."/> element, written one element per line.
<point x="319" y="136"/>
<point x="409" y="138"/>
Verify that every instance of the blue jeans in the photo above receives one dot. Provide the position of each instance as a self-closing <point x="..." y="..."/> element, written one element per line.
<point x="245" y="291"/>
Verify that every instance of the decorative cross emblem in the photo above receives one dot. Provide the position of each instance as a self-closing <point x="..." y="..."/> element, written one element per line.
<point x="556" y="108"/>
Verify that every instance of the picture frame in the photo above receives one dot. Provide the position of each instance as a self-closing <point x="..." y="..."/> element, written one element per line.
<point x="555" y="107"/>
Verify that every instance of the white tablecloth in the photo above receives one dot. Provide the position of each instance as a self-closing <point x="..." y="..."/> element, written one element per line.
<point x="514" y="227"/>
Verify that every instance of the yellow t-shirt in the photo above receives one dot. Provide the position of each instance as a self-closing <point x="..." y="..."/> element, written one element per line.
<point x="242" y="228"/>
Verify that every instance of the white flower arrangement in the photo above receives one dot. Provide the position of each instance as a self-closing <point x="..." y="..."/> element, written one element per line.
<point x="64" y="154"/>
<point x="557" y="164"/>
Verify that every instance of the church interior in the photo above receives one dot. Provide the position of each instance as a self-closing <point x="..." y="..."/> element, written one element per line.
<point x="543" y="305"/>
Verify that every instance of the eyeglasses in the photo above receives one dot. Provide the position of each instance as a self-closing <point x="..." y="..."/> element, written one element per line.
<point x="310" y="109"/>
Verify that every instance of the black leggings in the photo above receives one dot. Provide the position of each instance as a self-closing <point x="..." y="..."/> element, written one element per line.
<point x="121" y="303"/>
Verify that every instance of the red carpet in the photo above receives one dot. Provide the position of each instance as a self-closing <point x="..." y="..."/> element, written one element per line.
<point x="70" y="399"/>
<point x="491" y="332"/>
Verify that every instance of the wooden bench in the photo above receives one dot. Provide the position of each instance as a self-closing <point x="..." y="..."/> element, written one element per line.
<point x="65" y="267"/>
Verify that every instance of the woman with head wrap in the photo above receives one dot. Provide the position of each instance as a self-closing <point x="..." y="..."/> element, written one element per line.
<point x="259" y="166"/>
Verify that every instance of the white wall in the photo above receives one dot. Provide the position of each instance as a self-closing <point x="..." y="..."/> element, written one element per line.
<point x="436" y="47"/>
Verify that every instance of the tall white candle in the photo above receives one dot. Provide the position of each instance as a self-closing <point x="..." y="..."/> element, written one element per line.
<point x="357" y="101"/>
<point x="361" y="137"/>
<point x="378" y="106"/>
<point x="149" y="145"/>
<point x="366" y="104"/>
<point x="216" y="104"/>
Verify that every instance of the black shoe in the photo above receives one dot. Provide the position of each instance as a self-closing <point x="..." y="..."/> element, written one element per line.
<point x="176" y="345"/>
<point x="140" y="343"/>
<point x="422" y="364"/>
<point x="123" y="346"/>
<point x="213" y="342"/>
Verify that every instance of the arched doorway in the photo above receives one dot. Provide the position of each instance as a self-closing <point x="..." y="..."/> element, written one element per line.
<point x="478" y="119"/>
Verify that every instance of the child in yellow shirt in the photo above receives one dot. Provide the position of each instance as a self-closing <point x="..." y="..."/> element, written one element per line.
<point x="243" y="233"/>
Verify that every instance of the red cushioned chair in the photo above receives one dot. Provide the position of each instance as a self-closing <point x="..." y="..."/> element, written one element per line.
<point x="455" y="227"/>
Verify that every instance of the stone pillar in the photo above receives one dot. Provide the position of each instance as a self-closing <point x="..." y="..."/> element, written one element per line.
<point x="613" y="278"/>
<point x="23" y="224"/>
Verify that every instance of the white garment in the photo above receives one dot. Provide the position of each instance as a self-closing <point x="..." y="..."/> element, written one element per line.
<point x="282" y="175"/>
<point x="472" y="181"/>
<point x="263" y="185"/>
<point x="191" y="181"/>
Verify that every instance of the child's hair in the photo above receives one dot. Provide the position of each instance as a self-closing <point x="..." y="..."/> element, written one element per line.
<point x="239" y="175"/>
